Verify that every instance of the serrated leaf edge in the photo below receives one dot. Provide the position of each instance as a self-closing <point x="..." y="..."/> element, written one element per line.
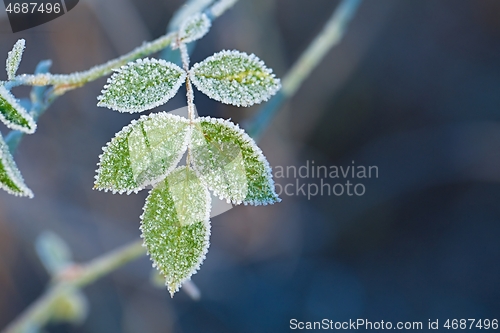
<point x="156" y="180"/>
<point x="260" y="156"/>
<point x="12" y="172"/>
<point x="165" y="98"/>
<point x="253" y="58"/>
<point x="4" y="93"/>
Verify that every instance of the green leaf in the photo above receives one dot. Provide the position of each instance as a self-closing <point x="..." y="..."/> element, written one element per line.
<point x="175" y="226"/>
<point x="142" y="153"/>
<point x="194" y="28"/>
<point x="13" y="115"/>
<point x="14" y="58"/>
<point x="230" y="163"/>
<point x="10" y="177"/>
<point x="234" y="77"/>
<point x="142" y="85"/>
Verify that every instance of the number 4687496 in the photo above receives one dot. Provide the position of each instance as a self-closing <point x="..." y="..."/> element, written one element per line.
<point x="463" y="324"/>
<point x="33" y="7"/>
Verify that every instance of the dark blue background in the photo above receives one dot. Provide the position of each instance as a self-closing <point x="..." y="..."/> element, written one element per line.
<point x="414" y="88"/>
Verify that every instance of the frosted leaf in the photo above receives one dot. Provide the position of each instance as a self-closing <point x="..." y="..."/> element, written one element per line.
<point x="194" y="28"/>
<point x="142" y="85"/>
<point x="142" y="153"/>
<point x="175" y="226"/>
<point x="234" y="77"/>
<point x="230" y="163"/>
<point x="14" y="58"/>
<point x="13" y="115"/>
<point x="10" y="177"/>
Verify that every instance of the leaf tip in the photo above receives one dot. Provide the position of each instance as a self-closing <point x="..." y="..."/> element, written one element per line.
<point x="14" y="58"/>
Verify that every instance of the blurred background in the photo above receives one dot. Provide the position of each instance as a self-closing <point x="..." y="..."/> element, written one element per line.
<point x="413" y="88"/>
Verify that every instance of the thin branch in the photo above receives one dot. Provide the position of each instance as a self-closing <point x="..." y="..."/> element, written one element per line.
<point x="107" y="263"/>
<point x="189" y="87"/>
<point x="77" y="79"/>
<point x="330" y="36"/>
<point x="220" y="7"/>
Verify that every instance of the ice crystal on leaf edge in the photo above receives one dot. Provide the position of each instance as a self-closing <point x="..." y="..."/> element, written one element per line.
<point x="234" y="77"/>
<point x="13" y="114"/>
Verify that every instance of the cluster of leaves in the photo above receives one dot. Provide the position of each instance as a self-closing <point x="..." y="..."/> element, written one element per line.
<point x="15" y="117"/>
<point x="220" y="156"/>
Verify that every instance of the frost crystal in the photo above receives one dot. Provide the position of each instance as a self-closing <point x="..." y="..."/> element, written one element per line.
<point x="194" y="27"/>
<point x="218" y="160"/>
<point x="234" y="77"/>
<point x="13" y="115"/>
<point x="230" y="163"/>
<point x="143" y="153"/>
<point x="14" y="58"/>
<point x="186" y="188"/>
<point x="10" y="177"/>
<point x="142" y="85"/>
<point x="175" y="226"/>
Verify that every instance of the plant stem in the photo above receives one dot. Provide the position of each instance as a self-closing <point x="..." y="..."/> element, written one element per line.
<point x="330" y="36"/>
<point x="220" y="7"/>
<point x="189" y="87"/>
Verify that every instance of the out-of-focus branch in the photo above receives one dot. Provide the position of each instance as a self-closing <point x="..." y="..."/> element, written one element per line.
<point x="330" y="36"/>
<point x="77" y="276"/>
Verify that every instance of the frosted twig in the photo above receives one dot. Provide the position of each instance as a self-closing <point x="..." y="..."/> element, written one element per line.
<point x="77" y="79"/>
<point x="189" y="87"/>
